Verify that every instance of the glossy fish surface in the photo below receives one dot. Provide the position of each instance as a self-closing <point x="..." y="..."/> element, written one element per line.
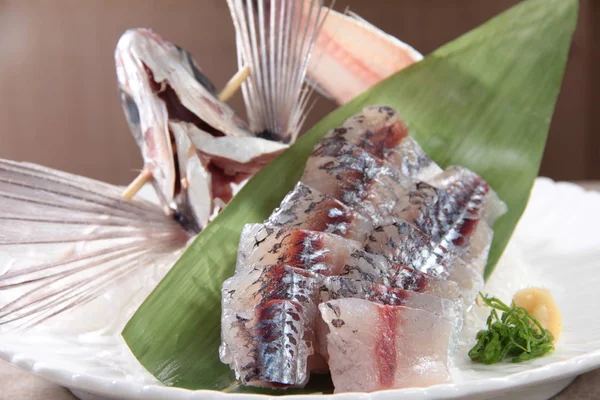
<point x="306" y="208"/>
<point x="376" y="347"/>
<point x="268" y="325"/>
<point x="386" y="250"/>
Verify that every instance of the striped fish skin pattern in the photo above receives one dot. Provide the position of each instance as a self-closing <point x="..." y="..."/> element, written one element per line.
<point x="380" y="252"/>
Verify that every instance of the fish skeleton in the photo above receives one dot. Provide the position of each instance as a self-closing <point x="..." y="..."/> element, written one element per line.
<point x="66" y="239"/>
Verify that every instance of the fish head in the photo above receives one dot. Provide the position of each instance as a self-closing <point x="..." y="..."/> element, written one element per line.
<point x="197" y="149"/>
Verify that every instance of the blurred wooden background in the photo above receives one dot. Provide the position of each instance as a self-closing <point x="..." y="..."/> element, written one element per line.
<point x="58" y="98"/>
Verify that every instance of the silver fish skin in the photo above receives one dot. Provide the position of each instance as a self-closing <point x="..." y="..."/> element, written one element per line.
<point x="340" y="287"/>
<point x="402" y="243"/>
<point x="370" y="186"/>
<point x="479" y="208"/>
<point x="268" y="322"/>
<point x="318" y="252"/>
<point x="380" y="131"/>
<point x="451" y="220"/>
<point x="331" y="255"/>
<point x="376" y="347"/>
<point x="306" y="208"/>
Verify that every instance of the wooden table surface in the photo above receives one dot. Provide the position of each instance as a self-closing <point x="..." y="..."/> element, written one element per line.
<point x="18" y="385"/>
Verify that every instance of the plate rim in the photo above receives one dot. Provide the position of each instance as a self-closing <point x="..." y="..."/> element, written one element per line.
<point x="125" y="389"/>
<point x="132" y="390"/>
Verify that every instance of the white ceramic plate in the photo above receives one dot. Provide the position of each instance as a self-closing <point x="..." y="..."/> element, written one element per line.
<point x="555" y="245"/>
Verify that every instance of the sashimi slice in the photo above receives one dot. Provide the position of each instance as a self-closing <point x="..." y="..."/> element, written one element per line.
<point x="340" y="287"/>
<point x="380" y="131"/>
<point x="451" y="218"/>
<point x="479" y="207"/>
<point x="318" y="252"/>
<point x="408" y="278"/>
<point x="306" y="208"/>
<point x="331" y="255"/>
<point x="365" y="183"/>
<point x="268" y="322"/>
<point x="402" y="243"/>
<point x="376" y="347"/>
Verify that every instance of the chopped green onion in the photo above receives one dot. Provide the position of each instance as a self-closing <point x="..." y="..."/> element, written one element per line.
<point x="514" y="334"/>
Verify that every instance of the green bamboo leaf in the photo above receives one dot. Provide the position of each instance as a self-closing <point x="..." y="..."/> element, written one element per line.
<point x="484" y="101"/>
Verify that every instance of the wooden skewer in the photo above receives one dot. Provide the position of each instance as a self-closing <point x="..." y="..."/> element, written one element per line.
<point x="229" y="90"/>
<point x="185" y="183"/>
<point x="137" y="184"/>
<point x="234" y="83"/>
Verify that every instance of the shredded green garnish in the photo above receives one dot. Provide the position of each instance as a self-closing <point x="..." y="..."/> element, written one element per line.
<point x="515" y="334"/>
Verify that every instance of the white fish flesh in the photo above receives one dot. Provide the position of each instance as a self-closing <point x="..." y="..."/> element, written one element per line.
<point x="384" y="242"/>
<point x="376" y="347"/>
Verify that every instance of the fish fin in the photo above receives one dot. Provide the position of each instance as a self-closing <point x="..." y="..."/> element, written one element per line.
<point x="275" y="38"/>
<point x="65" y="239"/>
<point x="318" y="88"/>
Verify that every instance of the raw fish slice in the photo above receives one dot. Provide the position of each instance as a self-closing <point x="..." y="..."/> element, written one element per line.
<point x="368" y="267"/>
<point x="408" y="278"/>
<point x="268" y="325"/>
<point x="318" y="252"/>
<point x="340" y="287"/>
<point x="381" y="132"/>
<point x="479" y="207"/>
<point x="451" y="218"/>
<point x="402" y="243"/>
<point x="377" y="347"/>
<point x="365" y="183"/>
<point x="306" y="208"/>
